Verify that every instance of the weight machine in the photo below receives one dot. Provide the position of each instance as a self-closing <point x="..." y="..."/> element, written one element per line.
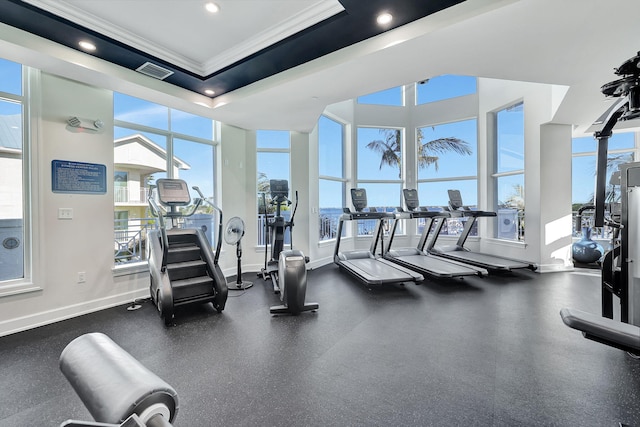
<point x="620" y="267"/>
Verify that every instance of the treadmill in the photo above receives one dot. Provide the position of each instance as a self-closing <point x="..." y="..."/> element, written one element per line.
<point x="459" y="253"/>
<point x="365" y="265"/>
<point x="417" y="259"/>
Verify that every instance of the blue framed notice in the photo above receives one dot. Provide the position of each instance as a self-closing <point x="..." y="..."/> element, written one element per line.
<point x="78" y="177"/>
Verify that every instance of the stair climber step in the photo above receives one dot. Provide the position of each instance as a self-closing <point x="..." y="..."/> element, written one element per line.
<point x="186" y="270"/>
<point x="183" y="253"/>
<point x="193" y="288"/>
<point x="177" y="239"/>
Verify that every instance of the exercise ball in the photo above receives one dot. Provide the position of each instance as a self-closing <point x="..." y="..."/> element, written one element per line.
<point x="585" y="250"/>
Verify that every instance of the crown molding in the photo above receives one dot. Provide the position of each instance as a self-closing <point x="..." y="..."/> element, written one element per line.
<point x="306" y="18"/>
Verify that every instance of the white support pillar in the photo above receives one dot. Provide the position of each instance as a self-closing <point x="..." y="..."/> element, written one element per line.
<point x="555" y="198"/>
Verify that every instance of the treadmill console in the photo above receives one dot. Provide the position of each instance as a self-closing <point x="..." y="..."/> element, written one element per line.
<point x="359" y="198"/>
<point x="411" y="199"/>
<point x="173" y="192"/>
<point x="455" y="199"/>
<point x="279" y="189"/>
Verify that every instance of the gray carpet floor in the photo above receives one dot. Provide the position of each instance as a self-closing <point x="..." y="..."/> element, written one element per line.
<point x="485" y="352"/>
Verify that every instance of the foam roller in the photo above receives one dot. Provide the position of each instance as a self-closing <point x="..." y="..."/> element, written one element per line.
<point x="112" y="384"/>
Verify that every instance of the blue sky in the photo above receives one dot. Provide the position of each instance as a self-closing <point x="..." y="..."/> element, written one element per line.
<point x="198" y="156"/>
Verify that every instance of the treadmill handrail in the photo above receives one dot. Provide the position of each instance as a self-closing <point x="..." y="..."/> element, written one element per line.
<point x="351" y="215"/>
<point x="475" y="214"/>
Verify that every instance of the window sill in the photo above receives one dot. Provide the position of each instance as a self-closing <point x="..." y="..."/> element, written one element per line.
<point x="507" y="243"/>
<point x="127" y="269"/>
<point x="17" y="287"/>
<point x="328" y="243"/>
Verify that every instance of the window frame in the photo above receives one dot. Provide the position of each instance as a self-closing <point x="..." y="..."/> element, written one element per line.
<point x="358" y="182"/>
<point x="170" y="136"/>
<point x="495" y="176"/>
<point x="604" y="232"/>
<point x="331" y="178"/>
<point x="29" y="99"/>
<point x="260" y="235"/>
<point x="457" y="178"/>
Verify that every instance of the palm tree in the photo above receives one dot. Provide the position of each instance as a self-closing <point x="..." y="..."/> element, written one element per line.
<point x="390" y="149"/>
<point x="612" y="192"/>
<point x="515" y="200"/>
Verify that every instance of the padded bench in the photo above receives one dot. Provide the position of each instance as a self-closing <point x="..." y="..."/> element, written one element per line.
<point x="603" y="330"/>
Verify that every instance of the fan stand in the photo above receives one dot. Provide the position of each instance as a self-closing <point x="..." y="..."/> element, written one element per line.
<point x="233" y="236"/>
<point x="240" y="284"/>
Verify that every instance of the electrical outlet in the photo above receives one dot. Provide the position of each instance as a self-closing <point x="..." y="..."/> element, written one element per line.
<point x="65" y="213"/>
<point x="82" y="277"/>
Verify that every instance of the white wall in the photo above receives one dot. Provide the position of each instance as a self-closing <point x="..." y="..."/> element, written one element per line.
<point x="84" y="243"/>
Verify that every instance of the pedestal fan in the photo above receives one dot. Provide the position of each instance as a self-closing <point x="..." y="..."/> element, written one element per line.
<point x="232" y="235"/>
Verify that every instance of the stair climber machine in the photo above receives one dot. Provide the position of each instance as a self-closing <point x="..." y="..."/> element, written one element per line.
<point x="286" y="269"/>
<point x="621" y="265"/>
<point x="416" y="258"/>
<point x="183" y="268"/>
<point x="367" y="266"/>
<point x="458" y="252"/>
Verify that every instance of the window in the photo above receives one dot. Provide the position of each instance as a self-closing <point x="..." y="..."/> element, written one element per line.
<point x="14" y="204"/>
<point x="622" y="149"/>
<point x="509" y="172"/>
<point x="444" y="87"/>
<point x="447" y="159"/>
<point x="391" y="97"/>
<point x="331" y="182"/>
<point x="153" y="141"/>
<point x="273" y="152"/>
<point x="379" y="170"/>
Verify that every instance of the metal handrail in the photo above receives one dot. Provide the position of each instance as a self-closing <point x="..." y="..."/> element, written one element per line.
<point x="219" y="242"/>
<point x="164" y="240"/>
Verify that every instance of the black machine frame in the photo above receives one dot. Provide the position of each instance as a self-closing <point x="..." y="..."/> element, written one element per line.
<point x="286" y="269"/>
<point x="619" y="276"/>
<point x="417" y="258"/>
<point x="459" y="252"/>
<point x="367" y="266"/>
<point x="177" y="284"/>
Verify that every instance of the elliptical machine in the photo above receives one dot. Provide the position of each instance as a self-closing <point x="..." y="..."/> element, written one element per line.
<point x="286" y="269"/>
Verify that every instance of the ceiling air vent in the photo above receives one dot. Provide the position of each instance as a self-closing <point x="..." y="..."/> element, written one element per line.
<point x="153" y="70"/>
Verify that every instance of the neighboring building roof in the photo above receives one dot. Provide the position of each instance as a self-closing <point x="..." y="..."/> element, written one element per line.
<point x="139" y="151"/>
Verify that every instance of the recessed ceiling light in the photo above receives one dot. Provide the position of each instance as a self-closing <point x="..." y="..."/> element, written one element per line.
<point x="209" y="92"/>
<point x="384" y="18"/>
<point x="87" y="45"/>
<point x="212" y="7"/>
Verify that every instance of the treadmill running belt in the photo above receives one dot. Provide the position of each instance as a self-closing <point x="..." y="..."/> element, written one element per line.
<point x="379" y="271"/>
<point x="484" y="260"/>
<point x="438" y="267"/>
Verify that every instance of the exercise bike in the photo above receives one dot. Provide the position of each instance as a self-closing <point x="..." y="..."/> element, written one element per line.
<point x="286" y="269"/>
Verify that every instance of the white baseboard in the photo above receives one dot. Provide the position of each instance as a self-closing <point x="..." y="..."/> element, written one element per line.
<point x="31" y="321"/>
